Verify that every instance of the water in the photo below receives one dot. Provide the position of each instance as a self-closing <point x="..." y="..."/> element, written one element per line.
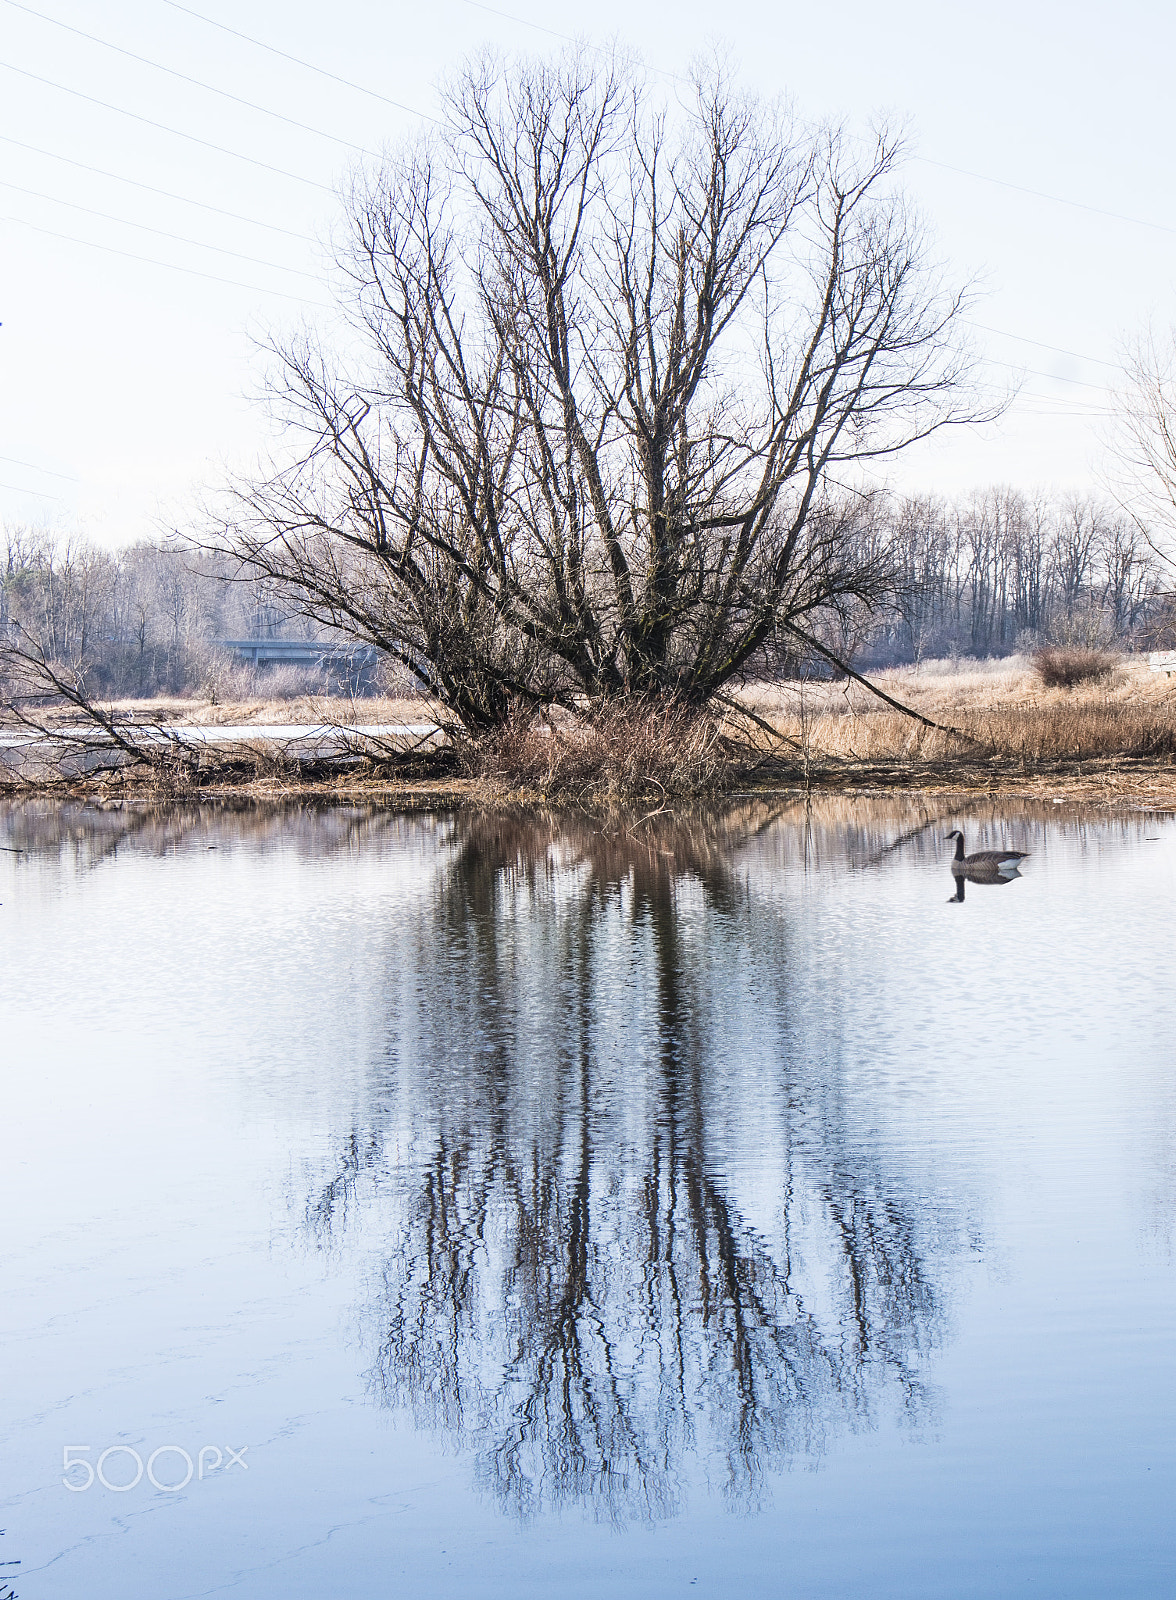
<point x="484" y="1207"/>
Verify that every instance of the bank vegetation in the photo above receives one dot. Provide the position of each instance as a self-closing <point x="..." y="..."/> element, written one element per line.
<point x="987" y="726"/>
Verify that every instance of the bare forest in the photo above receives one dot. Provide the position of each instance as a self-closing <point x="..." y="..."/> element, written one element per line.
<point x="139" y="622"/>
<point x="996" y="574"/>
<point x="1003" y="572"/>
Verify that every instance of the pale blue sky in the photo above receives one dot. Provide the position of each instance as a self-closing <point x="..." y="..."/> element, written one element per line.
<point x="123" y="383"/>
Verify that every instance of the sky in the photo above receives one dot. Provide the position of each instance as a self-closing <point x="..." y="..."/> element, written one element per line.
<point x="153" y="228"/>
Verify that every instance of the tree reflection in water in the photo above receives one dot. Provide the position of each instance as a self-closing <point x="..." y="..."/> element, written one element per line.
<point x="619" y="1238"/>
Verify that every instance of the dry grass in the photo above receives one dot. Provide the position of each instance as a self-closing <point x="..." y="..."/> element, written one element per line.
<point x="1002" y="706"/>
<point x="621" y="753"/>
<point x="1113" y="740"/>
<point x="1066" y="666"/>
<point x="1001" y="709"/>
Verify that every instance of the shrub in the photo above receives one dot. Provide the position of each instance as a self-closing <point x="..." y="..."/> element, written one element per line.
<point x="633" y="750"/>
<point x="1063" y="666"/>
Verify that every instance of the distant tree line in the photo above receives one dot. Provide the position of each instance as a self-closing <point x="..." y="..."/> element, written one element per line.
<point x="1004" y="571"/>
<point x="136" y="622"/>
<point x="997" y="572"/>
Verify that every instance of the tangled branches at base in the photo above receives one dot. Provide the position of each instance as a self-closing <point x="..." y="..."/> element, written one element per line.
<point x="645" y="750"/>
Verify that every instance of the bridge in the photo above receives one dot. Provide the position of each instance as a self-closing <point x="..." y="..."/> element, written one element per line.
<point x="301" y="652"/>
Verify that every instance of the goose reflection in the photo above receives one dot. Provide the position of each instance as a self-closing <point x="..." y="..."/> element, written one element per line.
<point x="628" y="1239"/>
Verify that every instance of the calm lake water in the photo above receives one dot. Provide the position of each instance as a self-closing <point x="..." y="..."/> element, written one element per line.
<point x="485" y="1206"/>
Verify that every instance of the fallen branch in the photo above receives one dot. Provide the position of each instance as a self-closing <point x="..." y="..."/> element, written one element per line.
<point x="907" y="711"/>
<point x="745" y="711"/>
<point x="102" y="733"/>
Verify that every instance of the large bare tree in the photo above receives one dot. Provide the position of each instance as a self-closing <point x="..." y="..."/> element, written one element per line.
<point x="609" y="361"/>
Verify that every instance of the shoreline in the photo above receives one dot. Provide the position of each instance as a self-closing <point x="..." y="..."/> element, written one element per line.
<point x="1118" y="782"/>
<point x="979" y="729"/>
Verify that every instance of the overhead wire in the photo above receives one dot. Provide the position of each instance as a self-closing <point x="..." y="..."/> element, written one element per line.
<point x="36" y="494"/>
<point x="1057" y="349"/>
<point x="298" y="61"/>
<point x="1074" y="403"/>
<point x="1042" y="194"/>
<point x="480" y="5"/>
<point x="170" y="266"/>
<point x="1052" y="377"/>
<point x="33" y="467"/>
<point x="412" y="111"/>
<point x="966" y="172"/>
<point x="524" y="23"/>
<point x="185" y="77"/>
<point x="162" y="127"/>
<point x="162" y="233"/>
<point x="168" y="194"/>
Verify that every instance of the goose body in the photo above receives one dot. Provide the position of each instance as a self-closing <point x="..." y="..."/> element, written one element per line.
<point x="985" y="866"/>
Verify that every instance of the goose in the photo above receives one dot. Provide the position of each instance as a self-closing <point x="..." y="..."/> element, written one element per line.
<point x="985" y="866"/>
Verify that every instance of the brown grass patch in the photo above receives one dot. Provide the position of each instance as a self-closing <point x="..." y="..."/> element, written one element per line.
<point x="1002" y="710"/>
<point x="620" y="753"/>
<point x="1114" y="738"/>
<point x="1066" y="666"/>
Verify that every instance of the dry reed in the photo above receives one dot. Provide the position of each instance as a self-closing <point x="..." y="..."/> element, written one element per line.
<point x="1000" y="710"/>
<point x="1000" y="726"/>
<point x="1066" y="666"/>
<point x="619" y="753"/>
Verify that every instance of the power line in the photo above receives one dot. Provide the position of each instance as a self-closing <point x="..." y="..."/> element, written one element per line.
<point x="1057" y="349"/>
<point x="553" y="33"/>
<point x="1052" y="377"/>
<point x="524" y="23"/>
<point x="1078" y="403"/>
<point x="33" y="467"/>
<point x="1073" y="416"/>
<point x="168" y="194"/>
<point x="1041" y="194"/>
<point x="171" y="266"/>
<point x="184" y="77"/>
<point x="298" y="61"/>
<point x="162" y="233"/>
<point x="261" y="44"/>
<point x="965" y="172"/>
<point x="163" y="128"/>
<point x="36" y="494"/>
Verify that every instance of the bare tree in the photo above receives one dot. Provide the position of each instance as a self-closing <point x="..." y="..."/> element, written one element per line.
<point x="1127" y="572"/>
<point x="1075" y="542"/>
<point x="613" y="358"/>
<point x="1145" y="438"/>
<point x="1027" y="553"/>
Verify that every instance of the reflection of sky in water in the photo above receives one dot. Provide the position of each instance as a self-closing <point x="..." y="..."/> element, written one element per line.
<point x="539" y="1206"/>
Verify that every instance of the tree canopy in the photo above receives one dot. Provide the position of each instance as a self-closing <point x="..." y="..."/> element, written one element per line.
<point x="610" y="364"/>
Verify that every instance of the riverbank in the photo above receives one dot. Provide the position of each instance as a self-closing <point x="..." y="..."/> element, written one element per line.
<point x="981" y="728"/>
